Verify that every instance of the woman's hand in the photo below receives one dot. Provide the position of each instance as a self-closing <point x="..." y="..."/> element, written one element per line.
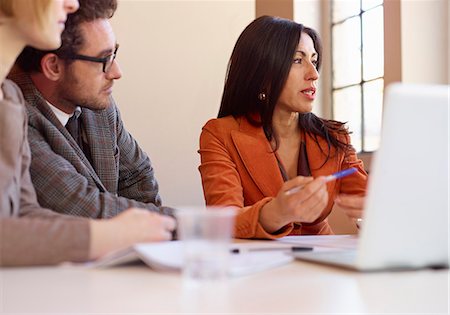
<point x="130" y="227"/>
<point x="301" y="199"/>
<point x="352" y="205"/>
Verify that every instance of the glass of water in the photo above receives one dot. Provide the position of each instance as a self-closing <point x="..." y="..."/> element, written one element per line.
<point x="206" y="234"/>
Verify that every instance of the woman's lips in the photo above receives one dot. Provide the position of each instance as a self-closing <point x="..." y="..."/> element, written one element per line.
<point x="309" y="93"/>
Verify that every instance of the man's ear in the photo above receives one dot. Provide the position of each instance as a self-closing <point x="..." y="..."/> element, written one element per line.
<point x="52" y="67"/>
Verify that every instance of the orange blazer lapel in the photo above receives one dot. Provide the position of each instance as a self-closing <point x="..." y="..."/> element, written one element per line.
<point x="257" y="157"/>
<point x="317" y="155"/>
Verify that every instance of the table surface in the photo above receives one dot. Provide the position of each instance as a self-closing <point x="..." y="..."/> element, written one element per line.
<point x="295" y="288"/>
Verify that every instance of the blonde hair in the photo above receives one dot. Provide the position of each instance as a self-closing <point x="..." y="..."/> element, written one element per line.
<point x="38" y="7"/>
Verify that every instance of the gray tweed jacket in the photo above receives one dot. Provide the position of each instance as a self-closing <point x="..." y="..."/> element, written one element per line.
<point x="29" y="234"/>
<point x="120" y="176"/>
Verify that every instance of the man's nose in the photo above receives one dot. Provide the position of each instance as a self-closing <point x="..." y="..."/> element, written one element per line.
<point x="114" y="72"/>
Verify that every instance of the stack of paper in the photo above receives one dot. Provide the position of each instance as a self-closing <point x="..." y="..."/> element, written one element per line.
<point x="168" y="256"/>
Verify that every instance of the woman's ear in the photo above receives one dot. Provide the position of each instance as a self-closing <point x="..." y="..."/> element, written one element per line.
<point x="52" y="67"/>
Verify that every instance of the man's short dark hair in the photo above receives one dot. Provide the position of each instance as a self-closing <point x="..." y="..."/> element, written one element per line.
<point x="71" y="39"/>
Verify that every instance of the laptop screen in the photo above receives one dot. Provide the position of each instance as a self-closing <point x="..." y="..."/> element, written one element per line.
<point x="406" y="214"/>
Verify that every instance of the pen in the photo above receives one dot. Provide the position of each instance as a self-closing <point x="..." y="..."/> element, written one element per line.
<point x="329" y="178"/>
<point x="263" y="249"/>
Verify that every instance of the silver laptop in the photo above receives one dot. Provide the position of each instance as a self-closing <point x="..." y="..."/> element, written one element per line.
<point x="406" y="217"/>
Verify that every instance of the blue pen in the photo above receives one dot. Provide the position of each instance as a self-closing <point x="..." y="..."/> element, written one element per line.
<point x="329" y="178"/>
<point x="340" y="174"/>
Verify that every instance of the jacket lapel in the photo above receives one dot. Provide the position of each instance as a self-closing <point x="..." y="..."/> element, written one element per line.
<point x="258" y="157"/>
<point x="102" y="147"/>
<point x="45" y="110"/>
<point x="317" y="155"/>
<point x="75" y="156"/>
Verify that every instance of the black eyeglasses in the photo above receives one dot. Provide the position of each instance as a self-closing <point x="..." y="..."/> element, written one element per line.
<point x="106" y="61"/>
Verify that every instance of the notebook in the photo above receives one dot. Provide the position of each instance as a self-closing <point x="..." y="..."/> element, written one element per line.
<point x="168" y="257"/>
<point x="406" y="216"/>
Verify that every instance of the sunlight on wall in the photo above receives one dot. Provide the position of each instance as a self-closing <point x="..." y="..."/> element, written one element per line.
<point x="174" y="55"/>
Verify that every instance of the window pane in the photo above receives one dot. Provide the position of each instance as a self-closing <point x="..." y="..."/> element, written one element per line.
<point x="347" y="108"/>
<point x="347" y="53"/>
<point x="373" y="105"/>
<point x="343" y="9"/>
<point x="373" y="45"/>
<point x="368" y="4"/>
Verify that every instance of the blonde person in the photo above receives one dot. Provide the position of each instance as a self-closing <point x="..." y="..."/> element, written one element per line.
<point x="29" y="234"/>
<point x="267" y="154"/>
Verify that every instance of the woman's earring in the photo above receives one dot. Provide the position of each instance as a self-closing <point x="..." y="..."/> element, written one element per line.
<point x="262" y="96"/>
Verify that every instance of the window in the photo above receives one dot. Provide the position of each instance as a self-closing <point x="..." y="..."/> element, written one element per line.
<point x="357" y="46"/>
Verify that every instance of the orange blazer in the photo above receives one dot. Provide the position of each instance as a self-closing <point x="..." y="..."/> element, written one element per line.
<point x="239" y="168"/>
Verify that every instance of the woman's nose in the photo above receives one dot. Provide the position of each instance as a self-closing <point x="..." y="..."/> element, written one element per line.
<point x="71" y="6"/>
<point x="312" y="73"/>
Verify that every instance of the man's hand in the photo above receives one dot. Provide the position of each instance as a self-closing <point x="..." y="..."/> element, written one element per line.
<point x="130" y="227"/>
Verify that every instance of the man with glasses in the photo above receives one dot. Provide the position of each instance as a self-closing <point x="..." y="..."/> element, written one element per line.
<point x="84" y="162"/>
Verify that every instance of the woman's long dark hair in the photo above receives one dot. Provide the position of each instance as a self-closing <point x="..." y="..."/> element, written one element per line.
<point x="260" y="63"/>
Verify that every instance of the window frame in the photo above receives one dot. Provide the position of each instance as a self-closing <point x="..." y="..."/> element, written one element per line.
<point x="361" y="83"/>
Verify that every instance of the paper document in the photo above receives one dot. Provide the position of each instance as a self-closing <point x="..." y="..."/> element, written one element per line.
<point x="168" y="256"/>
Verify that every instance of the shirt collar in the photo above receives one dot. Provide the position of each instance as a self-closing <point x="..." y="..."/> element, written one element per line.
<point x="62" y="116"/>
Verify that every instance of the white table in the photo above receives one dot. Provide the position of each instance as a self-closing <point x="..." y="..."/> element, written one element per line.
<point x="298" y="287"/>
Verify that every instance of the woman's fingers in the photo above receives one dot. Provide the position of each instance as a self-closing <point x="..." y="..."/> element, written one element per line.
<point x="350" y="201"/>
<point x="310" y="209"/>
<point x="352" y="205"/>
<point x="308" y="190"/>
<point x="306" y="204"/>
<point x="296" y="184"/>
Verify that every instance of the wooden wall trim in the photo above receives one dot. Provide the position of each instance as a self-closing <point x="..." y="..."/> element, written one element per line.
<point x="392" y="42"/>
<point x="281" y="8"/>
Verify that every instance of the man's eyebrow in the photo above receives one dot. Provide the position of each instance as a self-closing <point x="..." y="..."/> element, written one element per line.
<point x="304" y="54"/>
<point x="105" y="52"/>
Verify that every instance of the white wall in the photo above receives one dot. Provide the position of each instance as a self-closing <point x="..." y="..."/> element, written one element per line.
<point x="173" y="55"/>
<point x="425" y="41"/>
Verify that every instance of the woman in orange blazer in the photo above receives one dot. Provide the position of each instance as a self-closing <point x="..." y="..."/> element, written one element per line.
<point x="266" y="141"/>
